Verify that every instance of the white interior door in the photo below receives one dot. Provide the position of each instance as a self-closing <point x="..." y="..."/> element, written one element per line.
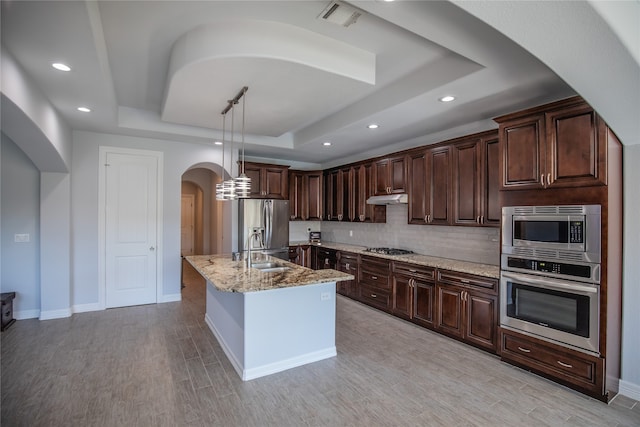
<point x="187" y="223"/>
<point x="131" y="219"/>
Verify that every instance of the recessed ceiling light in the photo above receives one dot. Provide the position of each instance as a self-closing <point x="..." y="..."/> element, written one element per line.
<point x="84" y="109"/>
<point x="60" y="66"/>
<point x="447" y="98"/>
<point x="373" y="126"/>
<point x="218" y="143"/>
<point x="326" y="143"/>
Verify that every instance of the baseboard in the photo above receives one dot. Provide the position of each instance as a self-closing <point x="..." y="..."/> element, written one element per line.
<point x="171" y="298"/>
<point x="283" y="365"/>
<point x="83" y="308"/>
<point x="237" y="365"/>
<point x="271" y="368"/>
<point x="26" y="314"/>
<point x="55" y="314"/>
<point x="629" y="389"/>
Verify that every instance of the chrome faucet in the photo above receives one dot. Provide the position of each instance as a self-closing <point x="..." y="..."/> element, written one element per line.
<point x="254" y="232"/>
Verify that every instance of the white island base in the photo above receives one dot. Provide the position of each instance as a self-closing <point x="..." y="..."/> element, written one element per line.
<point x="270" y="331"/>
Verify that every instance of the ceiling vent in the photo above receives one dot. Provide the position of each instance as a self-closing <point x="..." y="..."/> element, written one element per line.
<point x="340" y="13"/>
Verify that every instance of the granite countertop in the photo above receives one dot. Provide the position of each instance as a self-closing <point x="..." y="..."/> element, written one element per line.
<point x="484" y="270"/>
<point x="233" y="276"/>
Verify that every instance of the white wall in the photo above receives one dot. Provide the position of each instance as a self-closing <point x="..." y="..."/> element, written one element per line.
<point x="31" y="121"/>
<point x="55" y="245"/>
<point x="20" y="194"/>
<point x="178" y="157"/>
<point x="630" y="372"/>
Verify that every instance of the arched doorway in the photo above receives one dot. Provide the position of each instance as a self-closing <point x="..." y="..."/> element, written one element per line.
<point x="200" y="229"/>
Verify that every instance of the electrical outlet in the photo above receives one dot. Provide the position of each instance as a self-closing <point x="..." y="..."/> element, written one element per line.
<point x="324" y="296"/>
<point x="21" y="238"/>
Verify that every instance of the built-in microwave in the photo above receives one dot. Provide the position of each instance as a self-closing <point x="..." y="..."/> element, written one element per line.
<point x="562" y="233"/>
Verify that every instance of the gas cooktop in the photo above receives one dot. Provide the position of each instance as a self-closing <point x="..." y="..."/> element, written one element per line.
<point x="389" y="251"/>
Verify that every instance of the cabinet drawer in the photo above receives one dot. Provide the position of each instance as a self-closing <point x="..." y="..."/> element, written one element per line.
<point x="415" y="271"/>
<point x="326" y="253"/>
<point x="375" y="296"/>
<point x="485" y="284"/>
<point x="374" y="279"/>
<point x="559" y="362"/>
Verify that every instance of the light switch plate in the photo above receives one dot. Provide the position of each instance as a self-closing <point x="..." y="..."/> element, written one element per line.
<point x="21" y="238"/>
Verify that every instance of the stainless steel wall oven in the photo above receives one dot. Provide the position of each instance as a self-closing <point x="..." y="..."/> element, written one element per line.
<point x="550" y="273"/>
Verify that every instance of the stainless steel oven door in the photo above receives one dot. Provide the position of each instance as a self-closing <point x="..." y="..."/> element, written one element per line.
<point x="561" y="311"/>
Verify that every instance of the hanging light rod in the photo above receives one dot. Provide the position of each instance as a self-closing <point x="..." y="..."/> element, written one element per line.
<point x="235" y="100"/>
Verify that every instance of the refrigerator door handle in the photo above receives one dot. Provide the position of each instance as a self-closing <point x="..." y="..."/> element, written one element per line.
<point x="268" y="218"/>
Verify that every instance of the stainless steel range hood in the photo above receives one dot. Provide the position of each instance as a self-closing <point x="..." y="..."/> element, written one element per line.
<point x="388" y="199"/>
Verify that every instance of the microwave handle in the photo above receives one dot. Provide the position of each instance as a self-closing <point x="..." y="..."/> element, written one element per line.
<point x="551" y="283"/>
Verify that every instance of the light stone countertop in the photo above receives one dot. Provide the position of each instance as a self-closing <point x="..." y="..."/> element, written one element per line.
<point x="233" y="276"/>
<point x="484" y="270"/>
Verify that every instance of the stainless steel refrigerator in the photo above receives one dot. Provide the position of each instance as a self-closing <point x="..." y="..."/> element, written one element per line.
<point x="268" y="221"/>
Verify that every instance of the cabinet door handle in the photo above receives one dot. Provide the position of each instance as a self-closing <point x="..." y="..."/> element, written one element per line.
<point x="374" y="296"/>
<point x="542" y="180"/>
<point x="412" y="271"/>
<point x="524" y="350"/>
<point x="347" y="265"/>
<point x="482" y="219"/>
<point x="464" y="281"/>
<point x="429" y="218"/>
<point x="478" y="219"/>
<point x="566" y="365"/>
<point x="374" y="277"/>
<point x="362" y="218"/>
<point x="549" y="179"/>
<point x="339" y="217"/>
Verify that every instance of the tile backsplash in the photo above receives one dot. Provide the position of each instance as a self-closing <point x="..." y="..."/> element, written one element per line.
<point x="476" y="244"/>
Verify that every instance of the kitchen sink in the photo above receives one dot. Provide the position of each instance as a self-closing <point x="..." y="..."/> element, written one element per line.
<point x="270" y="267"/>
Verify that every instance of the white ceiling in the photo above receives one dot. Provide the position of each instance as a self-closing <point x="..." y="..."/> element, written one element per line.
<point x="166" y="69"/>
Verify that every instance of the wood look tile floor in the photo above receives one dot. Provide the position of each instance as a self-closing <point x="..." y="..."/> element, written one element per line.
<point x="159" y="365"/>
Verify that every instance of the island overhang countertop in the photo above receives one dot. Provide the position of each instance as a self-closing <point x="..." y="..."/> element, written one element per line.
<point x="227" y="275"/>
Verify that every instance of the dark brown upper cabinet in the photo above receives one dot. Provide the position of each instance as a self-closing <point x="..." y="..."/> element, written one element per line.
<point x="390" y="175"/>
<point x="305" y="195"/>
<point x="429" y="173"/>
<point x="476" y="181"/>
<point x="558" y="145"/>
<point x="267" y="181"/>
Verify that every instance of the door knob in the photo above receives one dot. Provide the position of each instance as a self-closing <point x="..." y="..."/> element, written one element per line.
<point x="152" y="248"/>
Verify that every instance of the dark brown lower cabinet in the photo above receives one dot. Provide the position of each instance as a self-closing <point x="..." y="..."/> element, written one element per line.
<point x="348" y="263"/>
<point x="572" y="368"/>
<point x="413" y="290"/>
<point x="375" y="283"/>
<point x="467" y="308"/>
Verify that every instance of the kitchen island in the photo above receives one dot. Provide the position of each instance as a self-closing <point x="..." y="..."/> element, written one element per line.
<point x="269" y="321"/>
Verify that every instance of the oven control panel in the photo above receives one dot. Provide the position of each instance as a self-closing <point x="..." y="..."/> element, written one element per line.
<point x="550" y="267"/>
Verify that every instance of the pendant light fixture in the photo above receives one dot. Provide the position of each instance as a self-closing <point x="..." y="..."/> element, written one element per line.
<point x="239" y="187"/>
<point x="220" y="185"/>
<point x="243" y="182"/>
<point x="229" y="186"/>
